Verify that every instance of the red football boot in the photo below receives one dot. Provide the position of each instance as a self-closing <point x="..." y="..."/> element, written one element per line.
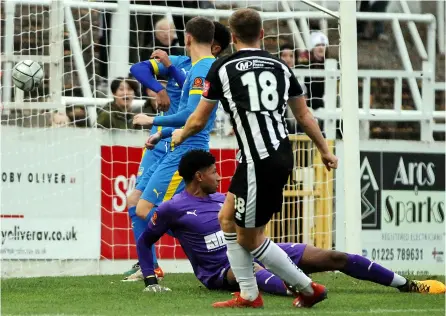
<point x="320" y="294"/>
<point x="159" y="274"/>
<point x="238" y="302"/>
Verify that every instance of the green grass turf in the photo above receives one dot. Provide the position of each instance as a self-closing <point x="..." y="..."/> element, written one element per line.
<point x="106" y="295"/>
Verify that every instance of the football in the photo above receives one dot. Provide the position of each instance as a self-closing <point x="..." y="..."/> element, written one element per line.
<point x="27" y="75"/>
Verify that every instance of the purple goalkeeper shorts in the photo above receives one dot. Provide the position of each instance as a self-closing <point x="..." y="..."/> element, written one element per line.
<point x="218" y="281"/>
<point x="294" y="251"/>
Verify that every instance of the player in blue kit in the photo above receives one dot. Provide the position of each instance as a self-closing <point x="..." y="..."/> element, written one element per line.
<point x="175" y="68"/>
<point x="165" y="181"/>
<point x="192" y="216"/>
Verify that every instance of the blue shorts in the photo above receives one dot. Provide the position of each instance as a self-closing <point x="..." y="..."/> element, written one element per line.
<point x="165" y="181"/>
<point x="149" y="161"/>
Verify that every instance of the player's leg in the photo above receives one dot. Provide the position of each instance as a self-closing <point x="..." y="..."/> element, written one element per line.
<point x="241" y="260"/>
<point x="163" y="185"/>
<point x="318" y="260"/>
<point x="266" y="281"/>
<point x="149" y="162"/>
<point x="270" y="283"/>
<point x="138" y="225"/>
<point x="271" y="175"/>
<point x="257" y="194"/>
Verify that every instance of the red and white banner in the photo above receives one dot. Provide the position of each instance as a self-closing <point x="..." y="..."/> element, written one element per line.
<point x="119" y="166"/>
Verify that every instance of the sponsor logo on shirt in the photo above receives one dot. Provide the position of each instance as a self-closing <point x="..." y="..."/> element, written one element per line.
<point x="198" y="83"/>
<point x="215" y="241"/>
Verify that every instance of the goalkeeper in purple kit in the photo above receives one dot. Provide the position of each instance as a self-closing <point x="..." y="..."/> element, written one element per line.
<point x="192" y="216"/>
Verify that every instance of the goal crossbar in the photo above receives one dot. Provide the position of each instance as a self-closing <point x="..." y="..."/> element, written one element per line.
<point x="370" y="16"/>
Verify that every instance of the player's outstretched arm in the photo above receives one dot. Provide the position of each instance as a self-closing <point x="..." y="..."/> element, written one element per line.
<point x="159" y="224"/>
<point x="175" y="120"/>
<point x="196" y="121"/>
<point x="179" y="119"/>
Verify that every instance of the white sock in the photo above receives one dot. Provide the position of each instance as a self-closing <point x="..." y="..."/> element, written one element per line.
<point x="398" y="280"/>
<point x="243" y="267"/>
<point x="277" y="260"/>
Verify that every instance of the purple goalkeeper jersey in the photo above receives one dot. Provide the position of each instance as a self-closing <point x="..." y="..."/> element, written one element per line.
<point x="194" y="222"/>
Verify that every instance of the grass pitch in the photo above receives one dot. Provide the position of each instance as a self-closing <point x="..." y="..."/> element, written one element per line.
<point x="106" y="295"/>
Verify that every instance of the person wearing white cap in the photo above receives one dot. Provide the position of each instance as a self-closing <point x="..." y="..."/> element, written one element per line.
<point x="314" y="59"/>
<point x="318" y="46"/>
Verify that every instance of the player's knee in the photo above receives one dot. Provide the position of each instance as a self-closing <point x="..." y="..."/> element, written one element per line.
<point x="250" y="242"/>
<point x="132" y="200"/>
<point x="143" y="209"/>
<point x="338" y="259"/>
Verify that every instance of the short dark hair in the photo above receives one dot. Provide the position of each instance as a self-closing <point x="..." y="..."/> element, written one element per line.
<point x="117" y="82"/>
<point x="285" y="47"/>
<point x="201" y="29"/>
<point x="246" y="25"/>
<point x="195" y="160"/>
<point x="222" y="35"/>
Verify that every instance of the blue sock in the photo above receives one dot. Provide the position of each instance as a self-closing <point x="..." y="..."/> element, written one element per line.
<point x="138" y="227"/>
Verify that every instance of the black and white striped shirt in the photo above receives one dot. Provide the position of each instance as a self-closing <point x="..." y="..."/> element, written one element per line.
<point x="253" y="87"/>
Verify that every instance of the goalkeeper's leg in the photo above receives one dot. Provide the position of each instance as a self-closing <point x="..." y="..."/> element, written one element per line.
<point x="266" y="281"/>
<point x="318" y="260"/>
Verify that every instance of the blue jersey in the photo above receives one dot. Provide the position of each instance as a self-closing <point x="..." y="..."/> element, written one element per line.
<point x="190" y="97"/>
<point x="183" y="63"/>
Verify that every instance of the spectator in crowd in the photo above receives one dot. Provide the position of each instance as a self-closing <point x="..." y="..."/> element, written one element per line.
<point x="314" y="87"/>
<point x="165" y="38"/>
<point x="286" y="53"/>
<point x="78" y="116"/>
<point x="365" y="29"/>
<point x="180" y="21"/>
<point x="59" y="120"/>
<point x="315" y="59"/>
<point x="142" y="25"/>
<point x="141" y="30"/>
<point x="117" y="114"/>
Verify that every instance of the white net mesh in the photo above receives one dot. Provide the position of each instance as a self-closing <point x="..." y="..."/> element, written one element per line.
<point x="83" y="214"/>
